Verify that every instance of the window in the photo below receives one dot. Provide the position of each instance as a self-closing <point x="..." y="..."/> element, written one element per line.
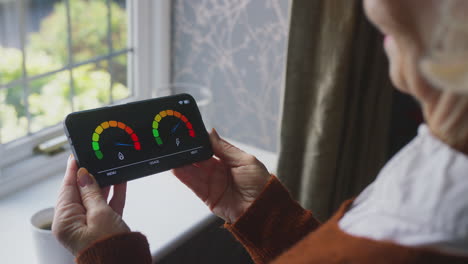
<point x="71" y="54"/>
<point x="59" y="56"/>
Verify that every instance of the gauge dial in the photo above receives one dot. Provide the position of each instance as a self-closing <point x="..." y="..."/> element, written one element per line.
<point x="114" y="138"/>
<point x="172" y="127"/>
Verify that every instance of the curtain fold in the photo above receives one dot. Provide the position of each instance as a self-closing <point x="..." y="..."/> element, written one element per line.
<point x="336" y="106"/>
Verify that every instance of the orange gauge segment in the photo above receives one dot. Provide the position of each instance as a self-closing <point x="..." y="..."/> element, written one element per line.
<point x="105" y="125"/>
<point x="121" y="125"/>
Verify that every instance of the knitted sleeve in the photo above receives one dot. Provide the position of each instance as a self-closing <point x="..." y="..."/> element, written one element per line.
<point x="272" y="224"/>
<point x="118" y="249"/>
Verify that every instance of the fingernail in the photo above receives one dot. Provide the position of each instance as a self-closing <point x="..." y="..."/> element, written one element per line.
<point x="215" y="133"/>
<point x="70" y="158"/>
<point x="84" y="178"/>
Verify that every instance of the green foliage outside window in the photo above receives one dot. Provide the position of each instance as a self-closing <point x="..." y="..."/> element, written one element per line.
<point x="49" y="98"/>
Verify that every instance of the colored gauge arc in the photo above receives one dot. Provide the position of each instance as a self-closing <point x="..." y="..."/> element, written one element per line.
<point x="161" y="115"/>
<point x="109" y="124"/>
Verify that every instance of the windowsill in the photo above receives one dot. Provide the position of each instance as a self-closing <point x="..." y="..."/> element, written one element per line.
<point x="159" y="206"/>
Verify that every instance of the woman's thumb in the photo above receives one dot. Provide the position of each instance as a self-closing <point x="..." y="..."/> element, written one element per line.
<point x="89" y="190"/>
<point x="228" y="153"/>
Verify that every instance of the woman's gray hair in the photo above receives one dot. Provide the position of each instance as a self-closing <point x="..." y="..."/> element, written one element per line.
<point x="446" y="64"/>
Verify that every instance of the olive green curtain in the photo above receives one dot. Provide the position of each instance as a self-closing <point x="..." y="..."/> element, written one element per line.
<point x="336" y="106"/>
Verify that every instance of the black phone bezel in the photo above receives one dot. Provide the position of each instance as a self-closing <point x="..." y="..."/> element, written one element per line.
<point x="142" y="171"/>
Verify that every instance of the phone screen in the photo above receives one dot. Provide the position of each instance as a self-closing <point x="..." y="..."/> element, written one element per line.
<point x="129" y="141"/>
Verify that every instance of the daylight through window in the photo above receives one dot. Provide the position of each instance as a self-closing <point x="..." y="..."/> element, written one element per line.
<point x="59" y="56"/>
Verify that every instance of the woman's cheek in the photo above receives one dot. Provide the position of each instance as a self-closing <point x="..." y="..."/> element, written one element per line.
<point x="395" y="62"/>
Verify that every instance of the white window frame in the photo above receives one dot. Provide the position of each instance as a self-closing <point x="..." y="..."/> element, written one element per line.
<point x="149" y="28"/>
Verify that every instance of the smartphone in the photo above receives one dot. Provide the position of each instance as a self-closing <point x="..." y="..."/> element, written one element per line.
<point x="129" y="141"/>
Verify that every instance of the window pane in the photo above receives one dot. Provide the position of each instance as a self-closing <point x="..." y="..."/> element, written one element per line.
<point x="120" y="88"/>
<point x="47" y="48"/>
<point x="91" y="86"/>
<point x="49" y="100"/>
<point x="90" y="27"/>
<point x="119" y="24"/>
<point x="13" y="120"/>
<point x="46" y="24"/>
<point x="10" y="43"/>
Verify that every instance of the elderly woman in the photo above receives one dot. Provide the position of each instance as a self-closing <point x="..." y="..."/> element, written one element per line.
<point x="416" y="211"/>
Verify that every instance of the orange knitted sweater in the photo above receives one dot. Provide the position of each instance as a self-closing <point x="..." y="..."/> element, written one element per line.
<point x="276" y="229"/>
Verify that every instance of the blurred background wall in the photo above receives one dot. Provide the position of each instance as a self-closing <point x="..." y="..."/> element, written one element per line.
<point x="237" y="49"/>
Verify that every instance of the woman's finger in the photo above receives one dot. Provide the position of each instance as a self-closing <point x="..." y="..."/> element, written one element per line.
<point x="70" y="172"/>
<point x="193" y="177"/>
<point x="117" y="203"/>
<point x="228" y="153"/>
<point x="105" y="192"/>
<point x="208" y="165"/>
<point x="90" y="191"/>
<point x="68" y="191"/>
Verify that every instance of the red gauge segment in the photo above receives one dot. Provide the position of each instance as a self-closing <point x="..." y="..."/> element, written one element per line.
<point x="137" y="146"/>
<point x="192" y="133"/>
<point x="129" y="130"/>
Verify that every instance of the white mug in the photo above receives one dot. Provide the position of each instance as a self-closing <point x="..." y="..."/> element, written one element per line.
<point x="48" y="249"/>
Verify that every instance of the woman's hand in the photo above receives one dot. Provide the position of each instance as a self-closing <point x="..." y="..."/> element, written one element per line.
<point x="82" y="214"/>
<point x="228" y="185"/>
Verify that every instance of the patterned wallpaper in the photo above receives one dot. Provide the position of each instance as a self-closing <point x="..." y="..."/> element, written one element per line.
<point x="236" y="50"/>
